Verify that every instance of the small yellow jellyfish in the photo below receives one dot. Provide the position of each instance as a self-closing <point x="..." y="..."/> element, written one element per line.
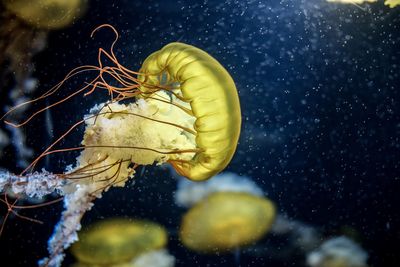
<point x="352" y="1"/>
<point x="46" y="14"/>
<point x="116" y="241"/>
<point x="225" y="221"/>
<point x="392" y="3"/>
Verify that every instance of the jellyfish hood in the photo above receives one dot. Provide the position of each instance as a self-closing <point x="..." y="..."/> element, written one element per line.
<point x="118" y="240"/>
<point x="47" y="14"/>
<point x="211" y="92"/>
<point x="225" y="221"/>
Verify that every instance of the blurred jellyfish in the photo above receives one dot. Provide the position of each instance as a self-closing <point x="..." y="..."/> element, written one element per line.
<point x="226" y="221"/>
<point x="190" y="193"/>
<point x="47" y="14"/>
<point x="392" y="3"/>
<point x="300" y="235"/>
<point x="154" y="258"/>
<point x="24" y="26"/>
<point x="338" y="252"/>
<point x="121" y="242"/>
<point x="185" y="112"/>
<point x="352" y="1"/>
<point x="229" y="212"/>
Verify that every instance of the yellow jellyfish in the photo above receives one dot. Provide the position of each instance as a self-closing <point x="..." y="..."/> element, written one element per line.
<point x="225" y="221"/>
<point x="185" y="111"/>
<point x="115" y="241"/>
<point x="392" y="3"/>
<point x="46" y="14"/>
<point x="352" y="1"/>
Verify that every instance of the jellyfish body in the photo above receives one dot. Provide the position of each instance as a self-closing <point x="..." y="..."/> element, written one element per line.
<point x="338" y="252"/>
<point x="135" y="133"/>
<point x="352" y="1"/>
<point x="392" y="3"/>
<point x="46" y="14"/>
<point x="115" y="241"/>
<point x="211" y="92"/>
<point x="225" y="221"/>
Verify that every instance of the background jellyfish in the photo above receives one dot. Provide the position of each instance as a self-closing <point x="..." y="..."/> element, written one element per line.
<point x="24" y="26"/>
<point x="228" y="213"/>
<point x="392" y="3"/>
<point x="189" y="193"/>
<point x="46" y="14"/>
<point x="205" y="228"/>
<point x="353" y="1"/>
<point x="226" y="221"/>
<point x="338" y="252"/>
<point x="122" y="242"/>
<point x="170" y="122"/>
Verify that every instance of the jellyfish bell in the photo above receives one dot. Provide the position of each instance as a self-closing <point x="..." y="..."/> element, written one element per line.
<point x="392" y="3"/>
<point x="225" y="221"/>
<point x="338" y="252"/>
<point x="115" y="241"/>
<point x="154" y="258"/>
<point x="205" y="84"/>
<point x="352" y="1"/>
<point x="47" y="14"/>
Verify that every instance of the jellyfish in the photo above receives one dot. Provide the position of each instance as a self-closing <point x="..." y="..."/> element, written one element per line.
<point x="228" y="212"/>
<point x="46" y="14"/>
<point x="118" y="241"/>
<point x="392" y="3"/>
<point x="24" y="26"/>
<point x="190" y="193"/>
<point x="356" y="2"/>
<point x="338" y="252"/>
<point x="226" y="221"/>
<point x="184" y="110"/>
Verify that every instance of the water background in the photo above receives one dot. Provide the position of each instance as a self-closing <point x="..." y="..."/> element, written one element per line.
<point x="319" y="91"/>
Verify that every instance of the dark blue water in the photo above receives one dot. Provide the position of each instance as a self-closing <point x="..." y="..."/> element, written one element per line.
<point x="319" y="86"/>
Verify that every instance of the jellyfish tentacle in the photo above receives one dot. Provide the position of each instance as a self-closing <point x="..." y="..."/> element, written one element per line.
<point x="54" y="89"/>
